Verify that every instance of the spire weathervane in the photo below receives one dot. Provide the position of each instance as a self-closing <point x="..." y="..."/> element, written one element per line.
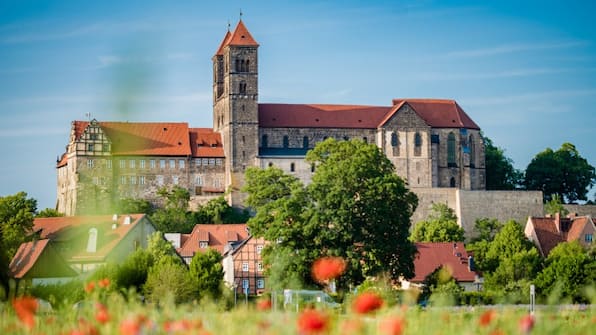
<point x="240" y="14"/>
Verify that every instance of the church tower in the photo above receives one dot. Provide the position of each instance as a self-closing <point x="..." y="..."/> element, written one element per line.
<point x="235" y="104"/>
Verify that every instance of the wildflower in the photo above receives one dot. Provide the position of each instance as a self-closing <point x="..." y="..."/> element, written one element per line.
<point x="25" y="307"/>
<point x="311" y="321"/>
<point x="328" y="268"/>
<point x="486" y="318"/>
<point x="130" y="326"/>
<point x="392" y="326"/>
<point x="104" y="283"/>
<point x="264" y="305"/>
<point x="102" y="316"/>
<point x="86" y="328"/>
<point x="352" y="326"/>
<point x="90" y="287"/>
<point x="497" y="332"/>
<point x="367" y="302"/>
<point x="526" y="323"/>
<point x="179" y="326"/>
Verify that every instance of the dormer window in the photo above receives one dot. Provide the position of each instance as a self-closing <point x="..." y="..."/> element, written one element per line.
<point x="203" y="244"/>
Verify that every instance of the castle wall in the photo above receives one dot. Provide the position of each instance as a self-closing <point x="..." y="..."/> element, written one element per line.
<point x="582" y="210"/>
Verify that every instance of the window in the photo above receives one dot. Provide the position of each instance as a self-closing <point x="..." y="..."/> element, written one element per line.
<point x="417" y="144"/>
<point x="393" y="139"/>
<point x="133" y="180"/>
<point x="365" y="139"/>
<point x="172" y="163"/>
<point x="259" y="266"/>
<point x="242" y="88"/>
<point x="245" y="284"/>
<point x="312" y="168"/>
<point x="216" y="183"/>
<point x="211" y="161"/>
<point x="205" y="161"/>
<point x="123" y="180"/>
<point x="451" y="150"/>
<point x="264" y="141"/>
<point x="219" y="161"/>
<point x="93" y="137"/>
<point x="90" y="147"/>
<point x="472" y="147"/>
<point x="109" y="163"/>
<point x="452" y="182"/>
<point x="270" y="164"/>
<point x="260" y="283"/>
<point x="142" y="180"/>
<point x="346" y="138"/>
<point x="286" y="141"/>
<point x="105" y="147"/>
<point x="245" y="266"/>
<point x="198" y="162"/>
<point x="292" y="167"/>
<point x="159" y="180"/>
<point x="95" y="181"/>
<point x="142" y="164"/>
<point x="175" y="180"/>
<point x="199" y="180"/>
<point x="181" y="164"/>
<point x="162" y="163"/>
<point x="90" y="163"/>
<point x="122" y="163"/>
<point x="259" y="249"/>
<point x="203" y="244"/>
<point x="152" y="163"/>
<point x="395" y="144"/>
<point x="588" y="238"/>
<point x="305" y="142"/>
<point x="131" y="163"/>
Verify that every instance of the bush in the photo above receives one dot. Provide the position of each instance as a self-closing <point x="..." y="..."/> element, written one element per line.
<point x="60" y="295"/>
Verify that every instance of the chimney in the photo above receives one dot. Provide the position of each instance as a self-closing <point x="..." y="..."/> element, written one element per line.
<point x="558" y="221"/>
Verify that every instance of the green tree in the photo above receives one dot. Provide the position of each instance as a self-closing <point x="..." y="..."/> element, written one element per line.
<point x="169" y="279"/>
<point x="48" y="213"/>
<point x="207" y="272"/>
<point x="500" y="173"/>
<point x="161" y="249"/>
<point x="486" y="229"/>
<point x="356" y="207"/>
<point x="563" y="172"/>
<point x="219" y="211"/>
<point x="569" y="270"/>
<point x="16" y="224"/>
<point x="554" y="206"/>
<point x="134" y="206"/>
<point x="441" y="226"/>
<point x="174" y="217"/>
<point x="440" y="285"/>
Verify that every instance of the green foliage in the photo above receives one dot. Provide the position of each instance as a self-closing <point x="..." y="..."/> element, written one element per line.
<point x="60" y="295"/>
<point x="134" y="206"/>
<point x="356" y="207"/>
<point x="440" y="287"/>
<point x="563" y="172"/>
<point x="48" y="213"/>
<point x="569" y="271"/>
<point x="206" y="270"/>
<point x="219" y="211"/>
<point x="381" y="285"/>
<point x="486" y="229"/>
<point x="441" y="226"/>
<point x="555" y="205"/>
<point x="174" y="216"/>
<point x="500" y="173"/>
<point x="169" y="279"/>
<point x="161" y="249"/>
<point x="132" y="273"/>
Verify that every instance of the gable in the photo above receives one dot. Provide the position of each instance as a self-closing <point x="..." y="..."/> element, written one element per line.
<point x="432" y="255"/>
<point x="403" y="117"/>
<point x="39" y="259"/>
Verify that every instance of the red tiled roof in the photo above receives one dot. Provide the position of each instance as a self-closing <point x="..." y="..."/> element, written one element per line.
<point x="241" y="36"/>
<point x="549" y="235"/>
<point x="63" y="161"/>
<point x="144" y="138"/>
<point x="71" y="228"/>
<point x="432" y="255"/>
<point x="320" y="116"/>
<point x="440" y="113"/>
<point x="218" y="237"/>
<point x="26" y="257"/>
<point x="204" y="142"/>
<point x="223" y="43"/>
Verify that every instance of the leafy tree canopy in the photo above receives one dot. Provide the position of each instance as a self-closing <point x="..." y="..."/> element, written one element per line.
<point x="441" y="226"/>
<point x="563" y="172"/>
<point x="134" y="206"/>
<point x="500" y="173"/>
<point x="174" y="217"/>
<point x="554" y="206"/>
<point x="486" y="229"/>
<point x="206" y="270"/>
<point x="356" y="207"/>
<point x="219" y="211"/>
<point x="48" y="213"/>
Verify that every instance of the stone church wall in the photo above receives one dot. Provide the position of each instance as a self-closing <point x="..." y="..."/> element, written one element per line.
<point x="582" y="210"/>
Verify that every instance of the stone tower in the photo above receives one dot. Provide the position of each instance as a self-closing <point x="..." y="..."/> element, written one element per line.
<point x="235" y="104"/>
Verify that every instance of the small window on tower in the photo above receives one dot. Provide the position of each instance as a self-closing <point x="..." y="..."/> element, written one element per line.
<point x="242" y="88"/>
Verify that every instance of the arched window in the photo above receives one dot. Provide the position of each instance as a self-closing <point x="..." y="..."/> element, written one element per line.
<point x="393" y="139"/>
<point x="417" y="144"/>
<point x="395" y="144"/>
<point x="246" y="65"/>
<point x="305" y="142"/>
<point x="286" y="142"/>
<point x="237" y="65"/>
<point x="264" y="140"/>
<point x="292" y="167"/>
<point x="452" y="182"/>
<point x="451" y="150"/>
<point x="472" y="147"/>
<point x="242" y="88"/>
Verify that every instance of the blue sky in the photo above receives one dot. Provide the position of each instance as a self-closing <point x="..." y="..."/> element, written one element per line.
<point x="524" y="71"/>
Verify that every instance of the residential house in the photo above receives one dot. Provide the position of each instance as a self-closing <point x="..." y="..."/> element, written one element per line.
<point x="547" y="232"/>
<point x="243" y="266"/>
<point x="73" y="246"/>
<point x="452" y="256"/>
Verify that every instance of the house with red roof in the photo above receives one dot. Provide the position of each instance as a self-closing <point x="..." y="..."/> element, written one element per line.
<point x="547" y="232"/>
<point x="433" y="143"/>
<point x="243" y="266"/>
<point x="452" y="256"/>
<point x="73" y="246"/>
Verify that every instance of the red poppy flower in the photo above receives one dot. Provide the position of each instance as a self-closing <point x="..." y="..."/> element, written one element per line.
<point x="86" y="328"/>
<point x="526" y="324"/>
<point x="25" y="307"/>
<point x="393" y="326"/>
<point x="328" y="268"/>
<point x="264" y="305"/>
<point x="102" y="316"/>
<point x="352" y="326"/>
<point x="178" y="326"/>
<point x="130" y="326"/>
<point x="90" y="287"/>
<point x="367" y="302"/>
<point x="104" y="283"/>
<point x="311" y="321"/>
<point x="486" y="318"/>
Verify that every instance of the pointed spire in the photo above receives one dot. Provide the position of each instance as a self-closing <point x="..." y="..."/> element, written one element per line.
<point x="241" y="36"/>
<point x="224" y="42"/>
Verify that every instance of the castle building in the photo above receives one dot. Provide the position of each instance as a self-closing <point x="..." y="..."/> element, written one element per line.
<point x="433" y="143"/>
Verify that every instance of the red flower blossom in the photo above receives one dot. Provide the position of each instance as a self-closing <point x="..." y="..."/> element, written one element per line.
<point x="486" y="318"/>
<point x="104" y="283"/>
<point x="130" y="326"/>
<point x="352" y="326"/>
<point x="102" y="316"/>
<point x="526" y="324"/>
<point x="393" y="326"/>
<point x="90" y="287"/>
<point x="328" y="268"/>
<point x="311" y="321"/>
<point x="497" y="332"/>
<point x="367" y="302"/>
<point x="25" y="307"/>
<point x="264" y="305"/>
<point x="178" y="326"/>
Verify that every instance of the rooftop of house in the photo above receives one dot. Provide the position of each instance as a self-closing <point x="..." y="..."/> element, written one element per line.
<point x="215" y="236"/>
<point x="553" y="230"/>
<point x="451" y="255"/>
